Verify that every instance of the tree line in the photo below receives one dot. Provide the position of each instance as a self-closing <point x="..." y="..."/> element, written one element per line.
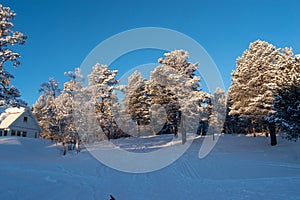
<point x="94" y="112"/>
<point x="263" y="96"/>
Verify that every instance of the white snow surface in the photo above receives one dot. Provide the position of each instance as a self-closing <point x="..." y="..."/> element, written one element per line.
<point x="239" y="167"/>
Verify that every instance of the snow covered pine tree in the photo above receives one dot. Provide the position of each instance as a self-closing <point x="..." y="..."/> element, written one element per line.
<point x="8" y="93"/>
<point x="175" y="86"/>
<point x="137" y="102"/>
<point x="102" y="82"/>
<point x="65" y="109"/>
<point x="254" y="85"/>
<point x="44" y="107"/>
<point x="287" y="100"/>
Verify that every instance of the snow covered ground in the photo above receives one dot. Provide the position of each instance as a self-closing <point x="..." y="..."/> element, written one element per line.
<point x="239" y="167"/>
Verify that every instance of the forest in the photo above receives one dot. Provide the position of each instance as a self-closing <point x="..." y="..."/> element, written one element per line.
<point x="264" y="98"/>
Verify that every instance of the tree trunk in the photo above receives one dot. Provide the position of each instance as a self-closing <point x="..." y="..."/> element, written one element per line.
<point x="175" y="129"/>
<point x="272" y="134"/>
<point x="253" y="128"/>
<point x="138" y="128"/>
<point x="64" y="148"/>
<point x="183" y="129"/>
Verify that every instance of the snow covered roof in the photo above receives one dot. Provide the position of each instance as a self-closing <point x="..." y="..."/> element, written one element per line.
<point x="9" y="116"/>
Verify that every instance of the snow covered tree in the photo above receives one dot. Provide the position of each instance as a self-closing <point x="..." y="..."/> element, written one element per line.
<point x="175" y="86"/>
<point x="205" y="107"/>
<point x="232" y="122"/>
<point x="287" y="107"/>
<point x="65" y="104"/>
<point x="102" y="82"/>
<point x="64" y="127"/>
<point x="137" y="102"/>
<point x="177" y="60"/>
<point x="287" y="100"/>
<point x="218" y="112"/>
<point x="9" y="95"/>
<point x="161" y="94"/>
<point x="39" y="111"/>
<point x="50" y="88"/>
<point x="44" y="106"/>
<point x="88" y="125"/>
<point x="254" y="85"/>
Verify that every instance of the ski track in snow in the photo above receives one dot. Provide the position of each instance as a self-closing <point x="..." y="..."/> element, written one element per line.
<point x="238" y="168"/>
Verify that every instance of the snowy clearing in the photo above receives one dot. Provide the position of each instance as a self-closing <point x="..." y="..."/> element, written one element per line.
<point x="239" y="167"/>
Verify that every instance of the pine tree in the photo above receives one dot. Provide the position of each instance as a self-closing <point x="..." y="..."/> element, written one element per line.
<point x="102" y="82"/>
<point x="39" y="111"/>
<point x="9" y="95"/>
<point x="137" y="102"/>
<point x="55" y="110"/>
<point x="254" y="85"/>
<point x="44" y="107"/>
<point x="65" y="107"/>
<point x="287" y="100"/>
<point x="175" y="86"/>
<point x="218" y="112"/>
<point x="50" y="88"/>
<point x="162" y="94"/>
<point x="85" y="117"/>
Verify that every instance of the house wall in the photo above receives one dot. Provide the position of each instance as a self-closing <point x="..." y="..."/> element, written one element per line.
<point x="25" y="125"/>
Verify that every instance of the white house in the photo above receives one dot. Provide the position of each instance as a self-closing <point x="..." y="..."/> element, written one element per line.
<point x="19" y="122"/>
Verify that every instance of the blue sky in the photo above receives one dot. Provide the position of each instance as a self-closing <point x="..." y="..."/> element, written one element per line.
<point x="61" y="33"/>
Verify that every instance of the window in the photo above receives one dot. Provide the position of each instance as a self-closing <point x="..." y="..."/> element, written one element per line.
<point x="5" y="133"/>
<point x="1" y="133"/>
<point x="18" y="133"/>
<point x="13" y="132"/>
<point x="24" y="134"/>
<point x="25" y="119"/>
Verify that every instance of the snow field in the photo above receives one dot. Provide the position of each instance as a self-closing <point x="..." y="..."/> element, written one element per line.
<point x="239" y="167"/>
